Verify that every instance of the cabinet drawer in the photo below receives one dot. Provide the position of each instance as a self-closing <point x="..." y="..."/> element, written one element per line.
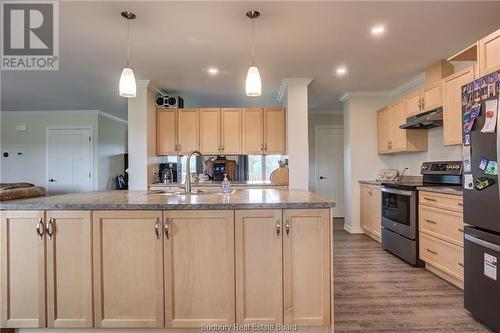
<point x="443" y="255"/>
<point x="446" y="225"/>
<point x="445" y="201"/>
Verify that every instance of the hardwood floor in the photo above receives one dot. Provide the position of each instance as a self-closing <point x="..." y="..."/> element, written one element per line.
<point x="377" y="292"/>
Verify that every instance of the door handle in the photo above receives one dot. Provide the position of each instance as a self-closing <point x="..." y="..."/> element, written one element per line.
<point x="287" y="226"/>
<point x="166" y="228"/>
<point x="323" y="177"/>
<point x="429" y="250"/>
<point x="157" y="228"/>
<point x="278" y="228"/>
<point x="40" y="228"/>
<point x="52" y="180"/>
<point x="430" y="221"/>
<point x="49" y="228"/>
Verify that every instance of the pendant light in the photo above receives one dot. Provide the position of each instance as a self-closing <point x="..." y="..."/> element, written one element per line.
<point x="127" y="80"/>
<point x="253" y="85"/>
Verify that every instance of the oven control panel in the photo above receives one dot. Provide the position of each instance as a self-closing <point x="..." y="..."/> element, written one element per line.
<point x="442" y="168"/>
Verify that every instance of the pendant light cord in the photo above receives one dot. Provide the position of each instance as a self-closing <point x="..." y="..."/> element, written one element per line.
<point x="128" y="41"/>
<point x="253" y="41"/>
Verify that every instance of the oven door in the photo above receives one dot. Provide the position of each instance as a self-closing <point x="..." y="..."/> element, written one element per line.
<point x="399" y="211"/>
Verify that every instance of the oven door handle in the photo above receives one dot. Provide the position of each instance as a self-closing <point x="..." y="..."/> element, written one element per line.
<point x="397" y="191"/>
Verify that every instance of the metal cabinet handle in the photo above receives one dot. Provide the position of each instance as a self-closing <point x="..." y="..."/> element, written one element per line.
<point x="429" y="250"/>
<point x="430" y="199"/>
<point x="265" y="146"/>
<point x="222" y="148"/>
<point x="460" y="229"/>
<point x="157" y="228"/>
<point x="40" y="229"/>
<point x="278" y="228"/>
<point x="287" y="226"/>
<point x="430" y="221"/>
<point x="460" y="204"/>
<point x="166" y="228"/>
<point x="460" y="264"/>
<point x="49" y="227"/>
<point x="262" y="147"/>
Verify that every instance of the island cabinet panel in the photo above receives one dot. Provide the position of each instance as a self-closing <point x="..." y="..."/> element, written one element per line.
<point x="69" y="269"/>
<point x="22" y="279"/>
<point x="210" y="130"/>
<point x="253" y="131"/>
<point x="232" y="129"/>
<point x="307" y="267"/>
<point x="199" y="268"/>
<point x="128" y="269"/>
<point x="259" y="284"/>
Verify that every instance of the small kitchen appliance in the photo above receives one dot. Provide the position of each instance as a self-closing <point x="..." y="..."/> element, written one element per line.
<point x="400" y="207"/>
<point x="167" y="172"/>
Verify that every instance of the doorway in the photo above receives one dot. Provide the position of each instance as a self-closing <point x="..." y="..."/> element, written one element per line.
<point x="69" y="160"/>
<point x="330" y="165"/>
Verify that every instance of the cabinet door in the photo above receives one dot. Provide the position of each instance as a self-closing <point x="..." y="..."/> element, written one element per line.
<point x="432" y="97"/>
<point x="452" y="108"/>
<point x="397" y="116"/>
<point x="69" y="269"/>
<point x="489" y="53"/>
<point x="259" y="287"/>
<point x="188" y="130"/>
<point x="210" y="131"/>
<point x="199" y="268"/>
<point x="307" y="267"/>
<point x="274" y="131"/>
<point x="232" y="136"/>
<point x="22" y="279"/>
<point x="382" y="131"/>
<point x="253" y="131"/>
<point x="166" y="131"/>
<point x="376" y="210"/>
<point x="412" y="104"/>
<point x="128" y="269"/>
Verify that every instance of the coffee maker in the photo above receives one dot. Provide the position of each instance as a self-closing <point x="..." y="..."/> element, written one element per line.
<point x="167" y="172"/>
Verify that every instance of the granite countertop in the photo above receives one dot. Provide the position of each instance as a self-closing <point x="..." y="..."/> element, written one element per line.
<point x="217" y="183"/>
<point x="370" y="182"/>
<point x="454" y="190"/>
<point x="142" y="200"/>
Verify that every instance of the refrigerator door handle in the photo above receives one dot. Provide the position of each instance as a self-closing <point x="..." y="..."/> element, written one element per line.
<point x="491" y="246"/>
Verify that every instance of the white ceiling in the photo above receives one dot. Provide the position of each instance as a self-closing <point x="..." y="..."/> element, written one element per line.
<point x="173" y="43"/>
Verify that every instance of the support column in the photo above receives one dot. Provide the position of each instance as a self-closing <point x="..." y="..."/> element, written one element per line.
<point x="142" y="159"/>
<point x="294" y="96"/>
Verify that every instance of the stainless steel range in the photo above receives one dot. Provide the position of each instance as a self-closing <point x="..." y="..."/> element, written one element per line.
<point x="400" y="207"/>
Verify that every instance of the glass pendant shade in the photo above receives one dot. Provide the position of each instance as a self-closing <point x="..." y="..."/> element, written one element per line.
<point x="253" y="83"/>
<point x="127" y="83"/>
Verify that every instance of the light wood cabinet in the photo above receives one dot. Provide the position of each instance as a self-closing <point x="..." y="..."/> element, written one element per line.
<point x="452" y="105"/>
<point x="274" y="131"/>
<point x="69" y="269"/>
<point x="432" y="97"/>
<point x="210" y="131"/>
<point x="188" y="130"/>
<point x="489" y="53"/>
<point x="391" y="138"/>
<point x="22" y="279"/>
<point x="413" y="104"/>
<point x="128" y="269"/>
<point x="253" y="131"/>
<point x="199" y="268"/>
<point x="259" y="251"/>
<point x="441" y="230"/>
<point x="371" y="210"/>
<point x="232" y="129"/>
<point x="306" y="258"/>
<point x="166" y="132"/>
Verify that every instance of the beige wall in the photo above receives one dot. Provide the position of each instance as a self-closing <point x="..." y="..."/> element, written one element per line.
<point x="333" y="119"/>
<point x="112" y="146"/>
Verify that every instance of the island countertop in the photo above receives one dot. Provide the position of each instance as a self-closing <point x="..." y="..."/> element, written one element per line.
<point x="145" y="200"/>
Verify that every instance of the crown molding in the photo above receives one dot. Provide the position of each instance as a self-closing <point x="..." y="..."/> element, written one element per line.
<point x="413" y="82"/>
<point x="285" y="83"/>
<point x="61" y="112"/>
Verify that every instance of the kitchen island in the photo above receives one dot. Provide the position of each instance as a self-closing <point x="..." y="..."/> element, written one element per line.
<point x="149" y="259"/>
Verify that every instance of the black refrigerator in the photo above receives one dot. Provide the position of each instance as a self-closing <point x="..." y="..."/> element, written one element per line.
<point x="481" y="151"/>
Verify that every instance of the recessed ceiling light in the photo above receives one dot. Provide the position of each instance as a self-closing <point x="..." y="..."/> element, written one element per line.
<point x="213" y="70"/>
<point x="342" y="70"/>
<point x="378" y="30"/>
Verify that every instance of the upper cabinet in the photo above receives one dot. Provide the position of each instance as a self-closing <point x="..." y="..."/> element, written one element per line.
<point x="452" y="108"/>
<point x="489" y="53"/>
<point x="216" y="131"/>
<point x="392" y="139"/>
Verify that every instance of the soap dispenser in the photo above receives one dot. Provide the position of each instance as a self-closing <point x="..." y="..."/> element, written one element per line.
<point x="225" y="185"/>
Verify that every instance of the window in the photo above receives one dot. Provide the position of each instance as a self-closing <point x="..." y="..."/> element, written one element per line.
<point x="261" y="166"/>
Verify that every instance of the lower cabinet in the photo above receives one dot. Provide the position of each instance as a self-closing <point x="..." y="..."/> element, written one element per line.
<point x="199" y="268"/>
<point x="46" y="276"/>
<point x="128" y="269"/>
<point x="371" y="210"/>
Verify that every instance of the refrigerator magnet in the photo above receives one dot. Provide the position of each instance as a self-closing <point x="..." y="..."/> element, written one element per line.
<point x="475" y="111"/>
<point x="468" y="125"/>
<point x="490" y="266"/>
<point x="468" y="181"/>
<point x="491" y="116"/>
<point x="466" y="158"/>
<point x="491" y="168"/>
<point x="483" y="182"/>
<point x="483" y="163"/>
<point x="467" y="139"/>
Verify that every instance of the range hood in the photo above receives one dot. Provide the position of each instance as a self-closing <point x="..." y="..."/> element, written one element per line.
<point x="424" y="120"/>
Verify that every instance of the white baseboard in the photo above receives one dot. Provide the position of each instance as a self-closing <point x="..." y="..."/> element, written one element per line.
<point x="352" y="230"/>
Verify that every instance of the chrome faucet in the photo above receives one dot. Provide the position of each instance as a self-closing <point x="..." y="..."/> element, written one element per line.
<point x="398" y="179"/>
<point x="187" y="182"/>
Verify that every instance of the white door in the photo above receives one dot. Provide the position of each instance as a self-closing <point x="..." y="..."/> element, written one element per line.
<point x="330" y="166"/>
<point x="69" y="160"/>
